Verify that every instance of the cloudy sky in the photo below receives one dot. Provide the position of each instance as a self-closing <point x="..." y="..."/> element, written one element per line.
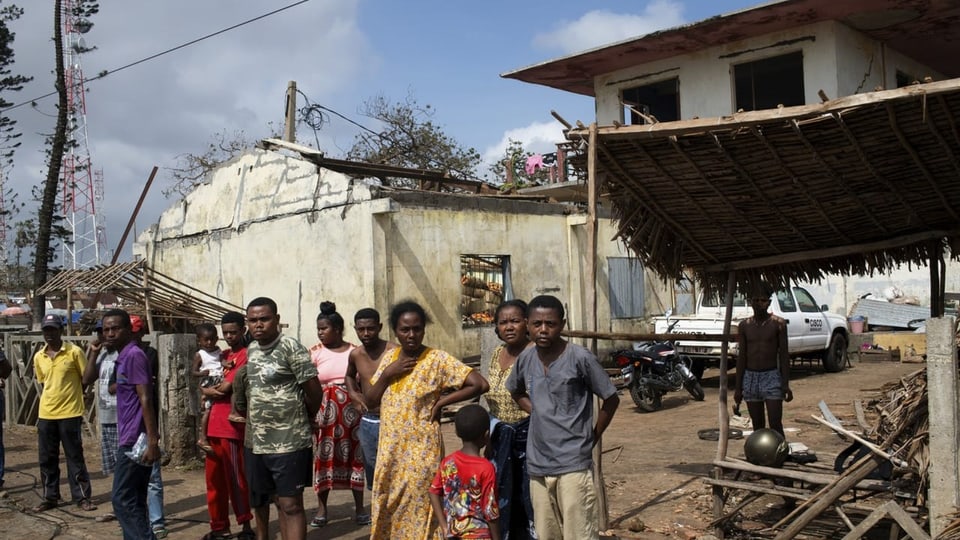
<point x="341" y="52"/>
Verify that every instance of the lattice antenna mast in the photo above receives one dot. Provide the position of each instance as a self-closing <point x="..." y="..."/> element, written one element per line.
<point x="80" y="194"/>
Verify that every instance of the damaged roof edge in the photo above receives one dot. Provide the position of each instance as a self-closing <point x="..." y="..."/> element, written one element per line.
<point x="517" y="73"/>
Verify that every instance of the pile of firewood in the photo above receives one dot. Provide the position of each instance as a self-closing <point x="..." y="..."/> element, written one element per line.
<point x="902" y="425"/>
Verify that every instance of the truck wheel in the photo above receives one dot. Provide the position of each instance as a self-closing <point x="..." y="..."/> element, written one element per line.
<point x="695" y="390"/>
<point x="648" y="401"/>
<point x="835" y="357"/>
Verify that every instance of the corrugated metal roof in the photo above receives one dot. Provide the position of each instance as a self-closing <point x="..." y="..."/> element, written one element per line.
<point x="883" y="313"/>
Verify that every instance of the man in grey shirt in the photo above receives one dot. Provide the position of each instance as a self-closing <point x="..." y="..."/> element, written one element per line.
<point x="555" y="382"/>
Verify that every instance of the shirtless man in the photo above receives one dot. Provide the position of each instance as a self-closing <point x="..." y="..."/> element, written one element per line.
<point x="363" y="362"/>
<point x="763" y="364"/>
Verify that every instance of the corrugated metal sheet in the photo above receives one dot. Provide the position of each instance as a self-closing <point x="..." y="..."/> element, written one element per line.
<point x="883" y="313"/>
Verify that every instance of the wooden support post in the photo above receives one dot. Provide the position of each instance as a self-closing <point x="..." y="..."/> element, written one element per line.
<point x="591" y="289"/>
<point x="591" y="294"/>
<point x="942" y="394"/>
<point x="724" y="421"/>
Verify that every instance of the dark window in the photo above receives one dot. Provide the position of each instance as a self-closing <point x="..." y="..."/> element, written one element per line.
<point x="787" y="305"/>
<point x="904" y="79"/>
<point x="770" y="82"/>
<point x="807" y="303"/>
<point x="626" y="287"/>
<point x="660" y="100"/>
<point x="484" y="284"/>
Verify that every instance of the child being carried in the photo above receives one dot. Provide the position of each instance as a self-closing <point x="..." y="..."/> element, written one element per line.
<point x="208" y="367"/>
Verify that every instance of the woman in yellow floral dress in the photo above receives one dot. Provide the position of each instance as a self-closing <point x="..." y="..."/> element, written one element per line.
<point x="408" y="385"/>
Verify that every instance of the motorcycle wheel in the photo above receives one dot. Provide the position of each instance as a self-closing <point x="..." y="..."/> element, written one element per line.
<point x="646" y="402"/>
<point x="695" y="390"/>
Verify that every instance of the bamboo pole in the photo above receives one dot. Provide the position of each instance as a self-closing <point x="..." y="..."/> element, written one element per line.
<point x="591" y="294"/>
<point x="718" y="495"/>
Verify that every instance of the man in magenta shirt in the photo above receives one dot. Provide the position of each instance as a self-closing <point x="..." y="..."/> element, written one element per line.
<point x="226" y="480"/>
<point x="136" y="414"/>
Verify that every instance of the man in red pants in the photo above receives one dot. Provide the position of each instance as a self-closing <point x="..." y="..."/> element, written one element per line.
<point x="226" y="481"/>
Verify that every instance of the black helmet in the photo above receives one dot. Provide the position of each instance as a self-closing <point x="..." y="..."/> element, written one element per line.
<point x="766" y="447"/>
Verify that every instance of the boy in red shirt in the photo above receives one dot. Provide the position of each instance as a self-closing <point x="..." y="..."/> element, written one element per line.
<point x="463" y="493"/>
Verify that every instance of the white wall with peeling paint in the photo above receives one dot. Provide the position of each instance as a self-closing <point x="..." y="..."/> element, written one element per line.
<point x="267" y="224"/>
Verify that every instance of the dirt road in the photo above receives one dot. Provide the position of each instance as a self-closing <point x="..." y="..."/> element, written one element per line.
<point x="653" y="465"/>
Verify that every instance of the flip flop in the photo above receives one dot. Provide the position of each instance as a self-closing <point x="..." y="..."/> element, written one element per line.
<point x="318" y="521"/>
<point x="47" y="504"/>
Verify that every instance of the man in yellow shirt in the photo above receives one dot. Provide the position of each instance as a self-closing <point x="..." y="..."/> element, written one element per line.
<point x="59" y="369"/>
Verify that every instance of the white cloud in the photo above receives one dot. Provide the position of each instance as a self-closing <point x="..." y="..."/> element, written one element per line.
<point x="171" y="105"/>
<point x="538" y="137"/>
<point x="600" y="27"/>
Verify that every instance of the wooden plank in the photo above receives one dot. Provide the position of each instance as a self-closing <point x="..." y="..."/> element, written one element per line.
<point x="812" y="478"/>
<point x="759" y="488"/>
<point x="619" y="336"/>
<point x="861" y="417"/>
<point x="826" y="253"/>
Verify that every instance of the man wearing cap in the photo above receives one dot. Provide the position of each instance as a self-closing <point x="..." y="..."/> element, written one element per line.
<point x="59" y="368"/>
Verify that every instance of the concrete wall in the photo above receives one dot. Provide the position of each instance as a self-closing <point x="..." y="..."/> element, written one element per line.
<point x="269" y="225"/>
<point x="836" y="59"/>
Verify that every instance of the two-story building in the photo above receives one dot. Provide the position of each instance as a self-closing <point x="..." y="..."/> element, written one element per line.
<point x="776" y="55"/>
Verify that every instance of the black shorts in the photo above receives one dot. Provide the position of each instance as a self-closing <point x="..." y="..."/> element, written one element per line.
<point x="283" y="475"/>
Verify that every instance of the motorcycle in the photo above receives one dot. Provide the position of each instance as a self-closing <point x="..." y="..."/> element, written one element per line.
<point x="651" y="369"/>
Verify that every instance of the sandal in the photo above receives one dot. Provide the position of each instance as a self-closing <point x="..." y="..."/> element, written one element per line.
<point x="318" y="521"/>
<point x="217" y="535"/>
<point x="47" y="504"/>
<point x="246" y="535"/>
<point x="86" y="505"/>
<point x="362" y="519"/>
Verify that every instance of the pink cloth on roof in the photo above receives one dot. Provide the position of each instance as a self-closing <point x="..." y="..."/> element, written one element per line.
<point x="534" y="162"/>
<point x="331" y="366"/>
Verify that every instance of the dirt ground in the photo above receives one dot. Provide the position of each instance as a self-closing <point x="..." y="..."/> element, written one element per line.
<point x="653" y="467"/>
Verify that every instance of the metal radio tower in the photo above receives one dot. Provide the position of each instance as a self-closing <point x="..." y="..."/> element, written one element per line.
<point x="82" y="186"/>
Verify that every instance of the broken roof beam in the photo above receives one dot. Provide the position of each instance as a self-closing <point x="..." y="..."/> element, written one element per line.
<point x="838" y="180"/>
<point x="719" y="194"/>
<point x="826" y="253"/>
<point x="747" y="177"/>
<point x="641" y="195"/>
<point x="918" y="161"/>
<point x="868" y="165"/>
<point x="796" y="181"/>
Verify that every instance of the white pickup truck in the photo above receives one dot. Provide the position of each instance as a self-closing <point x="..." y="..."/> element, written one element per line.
<point x="812" y="331"/>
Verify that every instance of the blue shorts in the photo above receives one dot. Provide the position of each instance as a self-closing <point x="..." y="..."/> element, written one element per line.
<point x="369" y="438"/>
<point x="762" y="385"/>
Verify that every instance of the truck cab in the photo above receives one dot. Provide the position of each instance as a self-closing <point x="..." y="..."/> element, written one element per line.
<point x="812" y="331"/>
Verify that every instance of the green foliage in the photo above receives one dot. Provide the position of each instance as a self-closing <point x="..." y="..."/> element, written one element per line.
<point x="9" y="136"/>
<point x="510" y="170"/>
<point x="411" y="139"/>
<point x="190" y="169"/>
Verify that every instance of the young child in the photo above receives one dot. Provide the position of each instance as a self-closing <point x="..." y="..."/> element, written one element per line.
<point x="208" y="368"/>
<point x="463" y="493"/>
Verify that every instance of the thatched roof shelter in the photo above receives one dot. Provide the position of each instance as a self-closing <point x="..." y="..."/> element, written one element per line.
<point x="855" y="185"/>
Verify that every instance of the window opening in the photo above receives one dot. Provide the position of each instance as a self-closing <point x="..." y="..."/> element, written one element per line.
<point x="659" y="101"/>
<point x="767" y="83"/>
<point x="807" y="303"/>
<point x="484" y="284"/>
<point x="626" y="287"/>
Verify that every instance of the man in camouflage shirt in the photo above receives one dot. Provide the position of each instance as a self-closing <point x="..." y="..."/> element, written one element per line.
<point x="284" y="395"/>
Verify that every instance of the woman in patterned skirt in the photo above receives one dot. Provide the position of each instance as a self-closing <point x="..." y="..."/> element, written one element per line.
<point x="338" y="463"/>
